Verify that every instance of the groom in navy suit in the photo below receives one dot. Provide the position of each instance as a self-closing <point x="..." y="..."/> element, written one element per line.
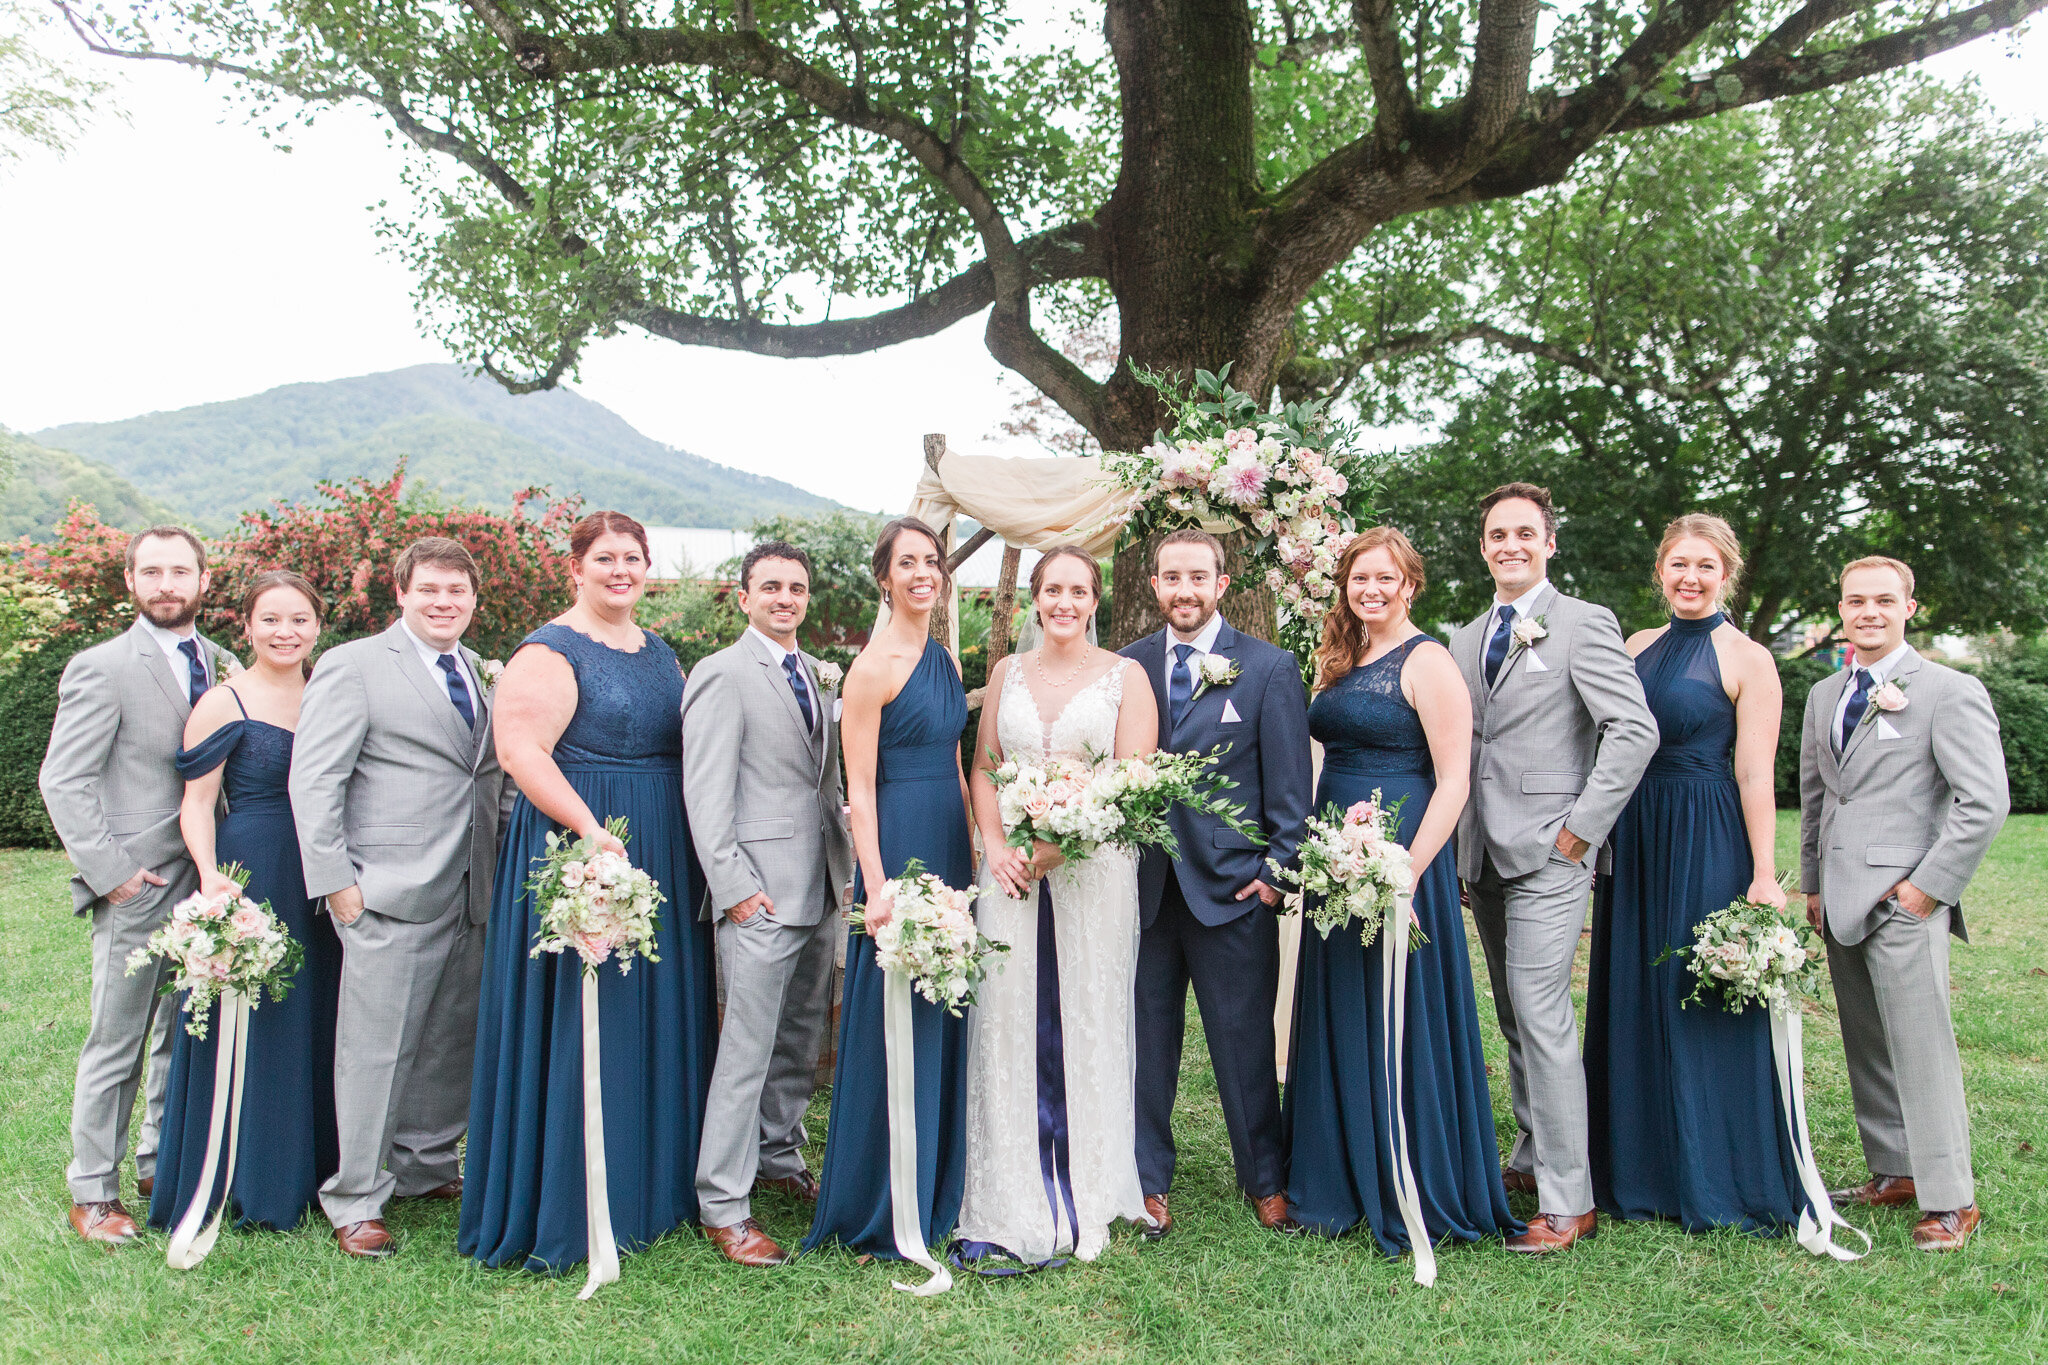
<point x="1208" y="917"/>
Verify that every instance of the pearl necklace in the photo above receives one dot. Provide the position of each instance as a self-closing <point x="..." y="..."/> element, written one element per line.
<point x="1038" y="662"/>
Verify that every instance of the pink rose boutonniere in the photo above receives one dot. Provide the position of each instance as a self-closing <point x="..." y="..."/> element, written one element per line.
<point x="1890" y="697"/>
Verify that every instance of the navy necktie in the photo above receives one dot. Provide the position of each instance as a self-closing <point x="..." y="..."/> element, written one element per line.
<point x="190" y="649"/>
<point x="1497" y="647"/>
<point x="458" y="692"/>
<point x="1859" y="702"/>
<point x="1180" y="684"/>
<point x="802" y="690"/>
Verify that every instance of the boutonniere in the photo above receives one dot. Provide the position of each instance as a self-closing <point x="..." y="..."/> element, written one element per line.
<point x="1890" y="696"/>
<point x="830" y="676"/>
<point x="487" y="672"/>
<point x="1215" y="670"/>
<point x="1526" y="632"/>
<point x="225" y="665"/>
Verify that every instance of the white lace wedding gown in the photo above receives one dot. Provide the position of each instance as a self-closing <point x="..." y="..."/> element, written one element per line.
<point x="1095" y="919"/>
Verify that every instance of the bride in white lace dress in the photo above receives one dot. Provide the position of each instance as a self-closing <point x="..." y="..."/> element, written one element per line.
<point x="1051" y="1157"/>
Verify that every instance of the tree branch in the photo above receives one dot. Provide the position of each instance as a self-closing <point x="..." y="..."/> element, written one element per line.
<point x="1503" y="51"/>
<point x="1393" y="102"/>
<point x="1616" y="377"/>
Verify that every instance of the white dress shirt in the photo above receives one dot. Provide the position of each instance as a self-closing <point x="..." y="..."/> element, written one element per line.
<point x="431" y="657"/>
<point x="173" y="646"/>
<point x="782" y="652"/>
<point x="1204" y="643"/>
<point x="1525" y="607"/>
<point x="1880" y="673"/>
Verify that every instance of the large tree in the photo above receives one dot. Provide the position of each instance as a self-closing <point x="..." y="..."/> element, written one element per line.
<point x="741" y="173"/>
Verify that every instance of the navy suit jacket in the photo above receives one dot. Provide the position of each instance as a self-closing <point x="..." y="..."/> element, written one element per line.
<point x="1268" y="759"/>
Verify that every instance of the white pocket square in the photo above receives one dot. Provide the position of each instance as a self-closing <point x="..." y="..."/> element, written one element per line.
<point x="1885" y="729"/>
<point x="838" y="705"/>
<point x="1230" y="716"/>
<point x="1536" y="664"/>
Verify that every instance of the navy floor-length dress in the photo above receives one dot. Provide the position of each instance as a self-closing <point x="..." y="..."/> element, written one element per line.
<point x="288" y="1144"/>
<point x="523" y="1188"/>
<point x="1338" y="1108"/>
<point x="1683" y="1103"/>
<point x="919" y="814"/>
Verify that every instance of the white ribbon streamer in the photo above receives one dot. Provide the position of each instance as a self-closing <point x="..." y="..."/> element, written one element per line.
<point x="899" y="1050"/>
<point x="1393" y="1027"/>
<point x="190" y="1243"/>
<point x="597" y="1203"/>
<point x="1816" y="1233"/>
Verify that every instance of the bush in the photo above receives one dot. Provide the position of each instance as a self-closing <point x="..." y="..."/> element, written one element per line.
<point x="28" y="707"/>
<point x="2022" y="707"/>
<point x="695" y="619"/>
<point x="1798" y="677"/>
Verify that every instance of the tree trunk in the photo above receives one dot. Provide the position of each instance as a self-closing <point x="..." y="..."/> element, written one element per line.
<point x="1003" y="606"/>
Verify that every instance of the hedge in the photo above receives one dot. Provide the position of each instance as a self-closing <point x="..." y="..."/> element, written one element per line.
<point x="28" y="707"/>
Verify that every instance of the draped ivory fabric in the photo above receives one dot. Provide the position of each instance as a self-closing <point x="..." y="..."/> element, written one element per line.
<point x="1031" y="503"/>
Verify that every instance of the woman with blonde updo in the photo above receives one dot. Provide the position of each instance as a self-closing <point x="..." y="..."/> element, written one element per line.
<point x="1683" y="1101"/>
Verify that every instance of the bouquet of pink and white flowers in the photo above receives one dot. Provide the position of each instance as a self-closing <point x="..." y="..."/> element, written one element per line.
<point x="1353" y="867"/>
<point x="595" y="902"/>
<point x="1081" y="806"/>
<point x="1752" y="953"/>
<point x="222" y="942"/>
<point x="931" y="937"/>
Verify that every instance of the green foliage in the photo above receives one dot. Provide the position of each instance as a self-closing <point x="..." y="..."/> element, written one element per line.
<point x="2022" y="707"/>
<point x="43" y="101"/>
<point x="1797" y="677"/>
<point x="46" y="482"/>
<point x="844" y="596"/>
<point x="696" y="619"/>
<point x="28" y="707"/>
<point x="464" y="440"/>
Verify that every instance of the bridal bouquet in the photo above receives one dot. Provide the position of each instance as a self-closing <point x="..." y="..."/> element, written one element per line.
<point x="1752" y="953"/>
<point x="931" y="937"/>
<point x="1081" y="806"/>
<point x="222" y="942"/>
<point x="1352" y="865"/>
<point x="595" y="902"/>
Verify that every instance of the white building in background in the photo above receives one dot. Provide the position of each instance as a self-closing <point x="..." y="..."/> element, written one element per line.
<point x="700" y="552"/>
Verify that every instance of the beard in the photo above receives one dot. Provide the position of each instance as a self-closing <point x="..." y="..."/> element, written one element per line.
<point x="1202" y="610"/>
<point x="169" y="613"/>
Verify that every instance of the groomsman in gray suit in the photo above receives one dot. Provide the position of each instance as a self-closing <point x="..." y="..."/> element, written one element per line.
<point x="112" y="789"/>
<point x="398" y="797"/>
<point x="1902" y="789"/>
<point x="1561" y="735"/>
<point x="761" y="777"/>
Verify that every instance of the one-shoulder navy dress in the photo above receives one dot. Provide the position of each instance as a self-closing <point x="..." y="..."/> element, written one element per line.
<point x="288" y="1143"/>
<point x="1341" y="1173"/>
<point x="1683" y="1102"/>
<point x="919" y="815"/>
<point x="523" y="1190"/>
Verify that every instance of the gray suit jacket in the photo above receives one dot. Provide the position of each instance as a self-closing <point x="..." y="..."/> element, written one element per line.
<point x="390" y="790"/>
<point x="1924" y="806"/>
<point x="109" y="777"/>
<point x="765" y="802"/>
<point x="1561" y="745"/>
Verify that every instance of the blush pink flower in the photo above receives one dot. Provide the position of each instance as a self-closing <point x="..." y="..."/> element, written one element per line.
<point x="1241" y="482"/>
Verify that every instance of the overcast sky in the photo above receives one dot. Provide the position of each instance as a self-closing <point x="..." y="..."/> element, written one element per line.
<point x="178" y="258"/>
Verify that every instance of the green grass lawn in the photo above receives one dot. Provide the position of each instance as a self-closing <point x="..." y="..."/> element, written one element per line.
<point x="1219" y="1289"/>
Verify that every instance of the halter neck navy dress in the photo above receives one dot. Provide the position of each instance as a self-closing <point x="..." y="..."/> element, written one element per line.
<point x="1683" y="1102"/>
<point x="523" y="1189"/>
<point x="288" y="1143"/>
<point x="918" y="814"/>
<point x="1338" y="1107"/>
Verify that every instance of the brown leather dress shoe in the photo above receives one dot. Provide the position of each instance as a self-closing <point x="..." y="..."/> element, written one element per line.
<point x="803" y="1185"/>
<point x="1878" y="1192"/>
<point x="745" y="1244"/>
<point x="451" y="1190"/>
<point x="369" y="1239"/>
<point x="1273" y="1214"/>
<point x="1517" y="1182"/>
<point x="1550" y="1232"/>
<point x="145" y="1186"/>
<point x="105" y="1222"/>
<point x="1946" y="1231"/>
<point x="1162" y="1219"/>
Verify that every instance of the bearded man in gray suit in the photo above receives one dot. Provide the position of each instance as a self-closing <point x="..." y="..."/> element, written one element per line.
<point x="761" y="778"/>
<point x="112" y="788"/>
<point x="399" y="798"/>
<point x="1902" y="788"/>
<point x="1561" y="735"/>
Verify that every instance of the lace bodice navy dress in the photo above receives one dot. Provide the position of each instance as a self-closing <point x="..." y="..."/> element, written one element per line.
<point x="288" y="1143"/>
<point x="1339" y="1100"/>
<point x="523" y="1189"/>
<point x="1685" y="1120"/>
<point x="918" y="814"/>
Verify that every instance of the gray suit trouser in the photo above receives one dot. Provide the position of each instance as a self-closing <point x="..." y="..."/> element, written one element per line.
<point x="128" y="1020"/>
<point x="1529" y="927"/>
<point x="1904" y="1072"/>
<point x="404" y="1042"/>
<point x="778" y="999"/>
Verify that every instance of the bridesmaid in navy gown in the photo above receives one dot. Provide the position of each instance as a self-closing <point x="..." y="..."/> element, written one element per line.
<point x="1686" y="1122"/>
<point x="589" y="724"/>
<point x="1393" y="717"/>
<point x="244" y="749"/>
<point x="900" y="731"/>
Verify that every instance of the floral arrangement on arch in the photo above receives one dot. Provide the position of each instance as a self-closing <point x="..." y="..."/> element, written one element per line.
<point x="1293" y="477"/>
